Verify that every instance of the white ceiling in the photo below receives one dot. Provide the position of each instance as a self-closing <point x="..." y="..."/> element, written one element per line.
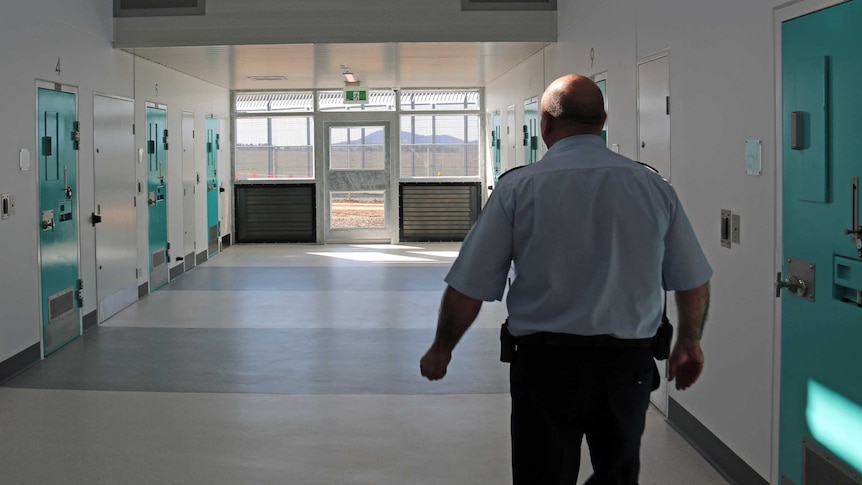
<point x="381" y="65"/>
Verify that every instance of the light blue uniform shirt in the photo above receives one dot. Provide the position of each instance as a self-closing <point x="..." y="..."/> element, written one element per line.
<point x="592" y="235"/>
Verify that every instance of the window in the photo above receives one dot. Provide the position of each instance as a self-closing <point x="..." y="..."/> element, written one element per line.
<point x="439" y="100"/>
<point x="357" y="148"/>
<point x="289" y="102"/>
<point x="439" y="146"/>
<point x="275" y="147"/>
<point x="378" y="100"/>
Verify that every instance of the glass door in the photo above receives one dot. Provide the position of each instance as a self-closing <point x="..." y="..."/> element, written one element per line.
<point x="357" y="195"/>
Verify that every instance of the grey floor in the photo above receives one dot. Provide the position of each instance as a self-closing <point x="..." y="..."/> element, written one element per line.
<point x="283" y="364"/>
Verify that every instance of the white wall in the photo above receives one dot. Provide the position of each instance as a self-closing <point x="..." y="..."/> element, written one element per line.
<point x="33" y="35"/>
<point x="722" y="93"/>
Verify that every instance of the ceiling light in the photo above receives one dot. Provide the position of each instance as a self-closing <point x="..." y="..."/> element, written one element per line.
<point x="349" y="77"/>
<point x="267" y="78"/>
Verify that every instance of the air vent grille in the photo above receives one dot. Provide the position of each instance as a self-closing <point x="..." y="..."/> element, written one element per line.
<point x="508" y="4"/>
<point x="154" y="8"/>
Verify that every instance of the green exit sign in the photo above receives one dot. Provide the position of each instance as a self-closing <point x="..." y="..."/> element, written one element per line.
<point x="355" y="95"/>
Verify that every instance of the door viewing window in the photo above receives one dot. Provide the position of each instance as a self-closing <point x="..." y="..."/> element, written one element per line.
<point x="356" y="148"/>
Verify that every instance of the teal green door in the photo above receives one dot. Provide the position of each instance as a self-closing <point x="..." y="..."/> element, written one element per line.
<point x="531" y="131"/>
<point x="821" y="360"/>
<point x="58" y="220"/>
<point x="496" y="145"/>
<point x="157" y="154"/>
<point x="213" y="232"/>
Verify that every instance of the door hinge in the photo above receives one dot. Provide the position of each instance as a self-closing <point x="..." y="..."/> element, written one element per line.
<point x="133" y="128"/>
<point x="667" y="105"/>
<point x="76" y="135"/>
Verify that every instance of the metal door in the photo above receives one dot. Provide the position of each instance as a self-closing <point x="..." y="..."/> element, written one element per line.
<point x="496" y="145"/>
<point x="213" y="230"/>
<point x="357" y="196"/>
<point x="114" y="217"/>
<point x="511" y="155"/>
<point x="157" y="150"/>
<point x="531" y="130"/>
<point x="654" y="114"/>
<point x="59" y="261"/>
<point x="189" y="189"/>
<point x="821" y="303"/>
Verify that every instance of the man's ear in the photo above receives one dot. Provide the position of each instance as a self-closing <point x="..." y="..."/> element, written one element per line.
<point x="546" y="125"/>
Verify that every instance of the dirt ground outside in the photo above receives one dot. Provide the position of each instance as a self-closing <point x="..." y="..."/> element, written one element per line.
<point x="361" y="214"/>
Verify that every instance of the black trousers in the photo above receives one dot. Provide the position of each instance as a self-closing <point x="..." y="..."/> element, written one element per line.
<point x="561" y="394"/>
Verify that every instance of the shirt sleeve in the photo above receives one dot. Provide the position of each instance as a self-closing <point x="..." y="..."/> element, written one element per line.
<point x="483" y="263"/>
<point x="685" y="266"/>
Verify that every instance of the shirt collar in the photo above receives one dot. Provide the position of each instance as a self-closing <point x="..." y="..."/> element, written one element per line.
<point x="577" y="140"/>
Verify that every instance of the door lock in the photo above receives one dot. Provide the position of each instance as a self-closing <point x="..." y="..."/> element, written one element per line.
<point x="800" y="280"/>
<point x="796" y="286"/>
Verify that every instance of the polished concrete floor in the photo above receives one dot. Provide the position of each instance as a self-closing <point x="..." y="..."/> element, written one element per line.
<point x="283" y="364"/>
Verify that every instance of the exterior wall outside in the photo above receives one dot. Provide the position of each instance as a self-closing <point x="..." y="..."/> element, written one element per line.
<point x="722" y="93"/>
<point x="78" y="32"/>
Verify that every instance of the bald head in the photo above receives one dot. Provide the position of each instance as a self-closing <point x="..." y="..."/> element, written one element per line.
<point x="572" y="105"/>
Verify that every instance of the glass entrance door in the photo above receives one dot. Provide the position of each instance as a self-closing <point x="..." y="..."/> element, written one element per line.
<point x="357" y="185"/>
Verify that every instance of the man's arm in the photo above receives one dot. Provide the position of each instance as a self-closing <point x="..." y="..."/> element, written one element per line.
<point x="686" y="360"/>
<point x="457" y="313"/>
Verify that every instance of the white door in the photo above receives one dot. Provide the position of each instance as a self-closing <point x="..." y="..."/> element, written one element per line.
<point x="654" y="115"/>
<point x="189" y="208"/>
<point x="510" y="159"/>
<point x="114" y="162"/>
<point x="654" y="150"/>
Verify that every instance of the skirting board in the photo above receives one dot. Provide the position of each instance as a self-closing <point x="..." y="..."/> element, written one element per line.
<point x="90" y="320"/>
<point x="728" y="463"/>
<point x="201" y="258"/>
<point x="12" y="366"/>
<point x="177" y="271"/>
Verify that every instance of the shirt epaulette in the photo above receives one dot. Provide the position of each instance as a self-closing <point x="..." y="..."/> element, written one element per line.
<point x="508" y="171"/>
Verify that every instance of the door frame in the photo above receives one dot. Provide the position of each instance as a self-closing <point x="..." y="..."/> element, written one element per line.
<point x="322" y="124"/>
<point x="780" y="15"/>
<point x="73" y="89"/>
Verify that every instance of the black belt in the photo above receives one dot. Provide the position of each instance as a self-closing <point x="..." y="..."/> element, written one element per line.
<point x="572" y="340"/>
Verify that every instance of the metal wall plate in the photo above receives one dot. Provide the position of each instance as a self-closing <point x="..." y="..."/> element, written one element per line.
<point x="805" y="271"/>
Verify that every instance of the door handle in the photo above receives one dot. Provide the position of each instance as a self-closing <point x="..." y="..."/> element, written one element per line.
<point x="793" y="283"/>
<point x="855" y="231"/>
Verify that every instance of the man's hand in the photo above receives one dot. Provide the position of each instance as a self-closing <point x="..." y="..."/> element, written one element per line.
<point x="686" y="364"/>
<point x="457" y="312"/>
<point x="434" y="363"/>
